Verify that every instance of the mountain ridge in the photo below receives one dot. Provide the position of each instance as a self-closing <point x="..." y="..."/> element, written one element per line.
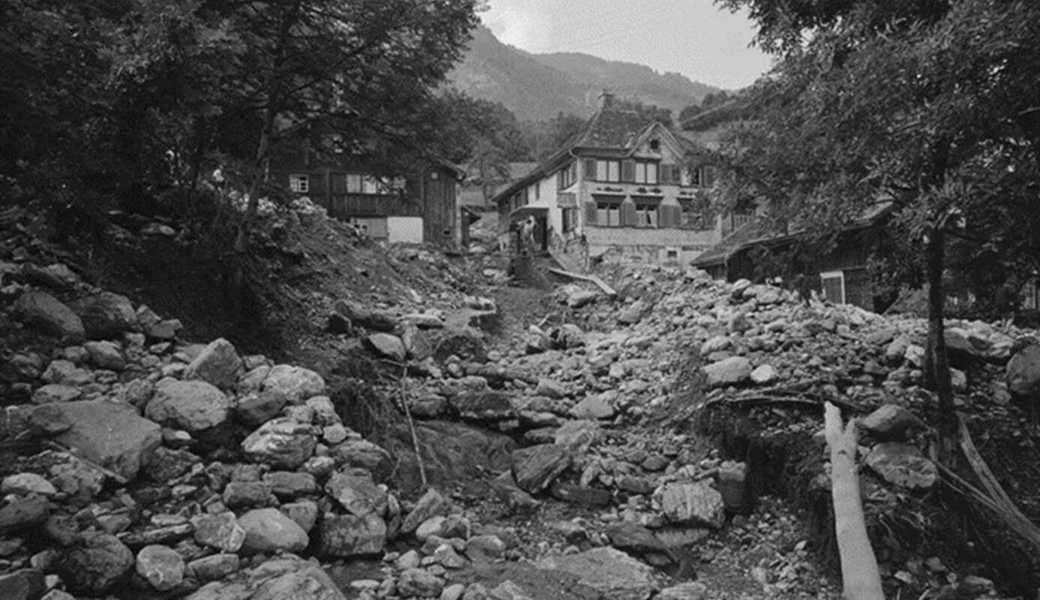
<point x="540" y="86"/>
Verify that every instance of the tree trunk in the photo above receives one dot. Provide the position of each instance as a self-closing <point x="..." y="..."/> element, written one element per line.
<point x="860" y="577"/>
<point x="936" y="361"/>
<point x="273" y="92"/>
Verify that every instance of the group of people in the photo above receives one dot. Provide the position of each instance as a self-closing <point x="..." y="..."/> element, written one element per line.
<point x="526" y="230"/>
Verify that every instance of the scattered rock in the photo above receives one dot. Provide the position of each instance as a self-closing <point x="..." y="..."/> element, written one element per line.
<point x="1023" y="373"/>
<point x="106" y="315"/>
<point x="96" y="565"/>
<point x="161" y="567"/>
<point x="419" y="583"/>
<point x="728" y="371"/>
<point x="189" y="405"/>
<point x="691" y="504"/>
<point x="612" y="573"/>
<point x="346" y="536"/>
<point x="387" y="346"/>
<point x="282" y="443"/>
<point x="890" y="421"/>
<point x="269" y="530"/>
<point x="221" y="531"/>
<point x="535" y="468"/>
<point x="45" y="313"/>
<point x="110" y="434"/>
<point x="903" y="465"/>
<point x="106" y="355"/>
<point x="27" y="483"/>
<point x="294" y="384"/>
<point x="218" y="364"/>
<point x="593" y="407"/>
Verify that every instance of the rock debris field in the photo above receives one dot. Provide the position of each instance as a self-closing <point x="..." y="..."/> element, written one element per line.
<point x="562" y="457"/>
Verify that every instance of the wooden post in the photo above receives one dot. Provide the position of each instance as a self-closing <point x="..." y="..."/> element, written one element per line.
<point x="859" y="571"/>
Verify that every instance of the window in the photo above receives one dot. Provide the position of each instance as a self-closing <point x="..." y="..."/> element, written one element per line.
<point x="608" y="214"/>
<point x="537" y="190"/>
<point x="607" y="170"/>
<point x="646" y="172"/>
<point x="699" y="177"/>
<point x="833" y="284"/>
<point x="301" y="184"/>
<point x="655" y="145"/>
<point x="570" y="219"/>
<point x="367" y="184"/>
<point x="567" y="175"/>
<point x="646" y="214"/>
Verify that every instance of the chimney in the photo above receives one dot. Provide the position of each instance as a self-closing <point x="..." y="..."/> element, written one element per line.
<point x="606" y="100"/>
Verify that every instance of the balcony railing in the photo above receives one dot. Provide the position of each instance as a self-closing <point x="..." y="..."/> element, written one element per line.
<point x="371" y="205"/>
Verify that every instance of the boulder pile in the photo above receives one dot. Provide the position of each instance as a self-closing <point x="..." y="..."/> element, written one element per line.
<point x="142" y="465"/>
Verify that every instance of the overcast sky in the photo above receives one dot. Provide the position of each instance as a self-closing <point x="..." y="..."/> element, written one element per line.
<point x="691" y="37"/>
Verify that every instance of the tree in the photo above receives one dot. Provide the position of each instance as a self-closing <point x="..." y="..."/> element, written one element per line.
<point x="927" y="104"/>
<point x="123" y="102"/>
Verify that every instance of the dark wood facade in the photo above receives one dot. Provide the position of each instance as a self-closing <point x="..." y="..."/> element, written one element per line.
<point x="837" y="269"/>
<point x="427" y="193"/>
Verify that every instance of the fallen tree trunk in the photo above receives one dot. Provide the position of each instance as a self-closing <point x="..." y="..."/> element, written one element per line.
<point x="860" y="577"/>
<point x="497" y="374"/>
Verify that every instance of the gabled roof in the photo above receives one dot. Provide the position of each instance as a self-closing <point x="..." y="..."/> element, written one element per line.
<point x="611" y="132"/>
<point x="759" y="231"/>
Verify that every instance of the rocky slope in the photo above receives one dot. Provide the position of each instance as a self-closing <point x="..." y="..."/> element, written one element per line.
<point x="555" y="457"/>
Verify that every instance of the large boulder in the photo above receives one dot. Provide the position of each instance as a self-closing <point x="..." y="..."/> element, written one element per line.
<point x="728" y="371"/>
<point x="612" y="573"/>
<point x="431" y="504"/>
<point x="106" y="315"/>
<point x="596" y="406"/>
<point x="346" y="536"/>
<point x="160" y="566"/>
<point x="96" y="565"/>
<point x="221" y="531"/>
<point x="282" y="443"/>
<point x="691" y="504"/>
<point x="46" y="314"/>
<point x="23" y="584"/>
<point x="357" y="493"/>
<point x="890" y="421"/>
<point x="1023" y="373"/>
<point x="536" y="467"/>
<point x="106" y="355"/>
<point x="387" y="346"/>
<point x="110" y="434"/>
<point x="276" y="579"/>
<point x="364" y="454"/>
<point x="218" y="363"/>
<point x="189" y="405"/>
<point x="269" y="530"/>
<point x="295" y="384"/>
<point x="363" y="317"/>
<point x="903" y="465"/>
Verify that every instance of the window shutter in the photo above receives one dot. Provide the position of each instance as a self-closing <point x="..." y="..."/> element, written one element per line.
<point x="590" y="168"/>
<point x="669" y="215"/>
<point x="676" y="174"/>
<point x="590" y="213"/>
<point x="628" y="171"/>
<point x="628" y="213"/>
